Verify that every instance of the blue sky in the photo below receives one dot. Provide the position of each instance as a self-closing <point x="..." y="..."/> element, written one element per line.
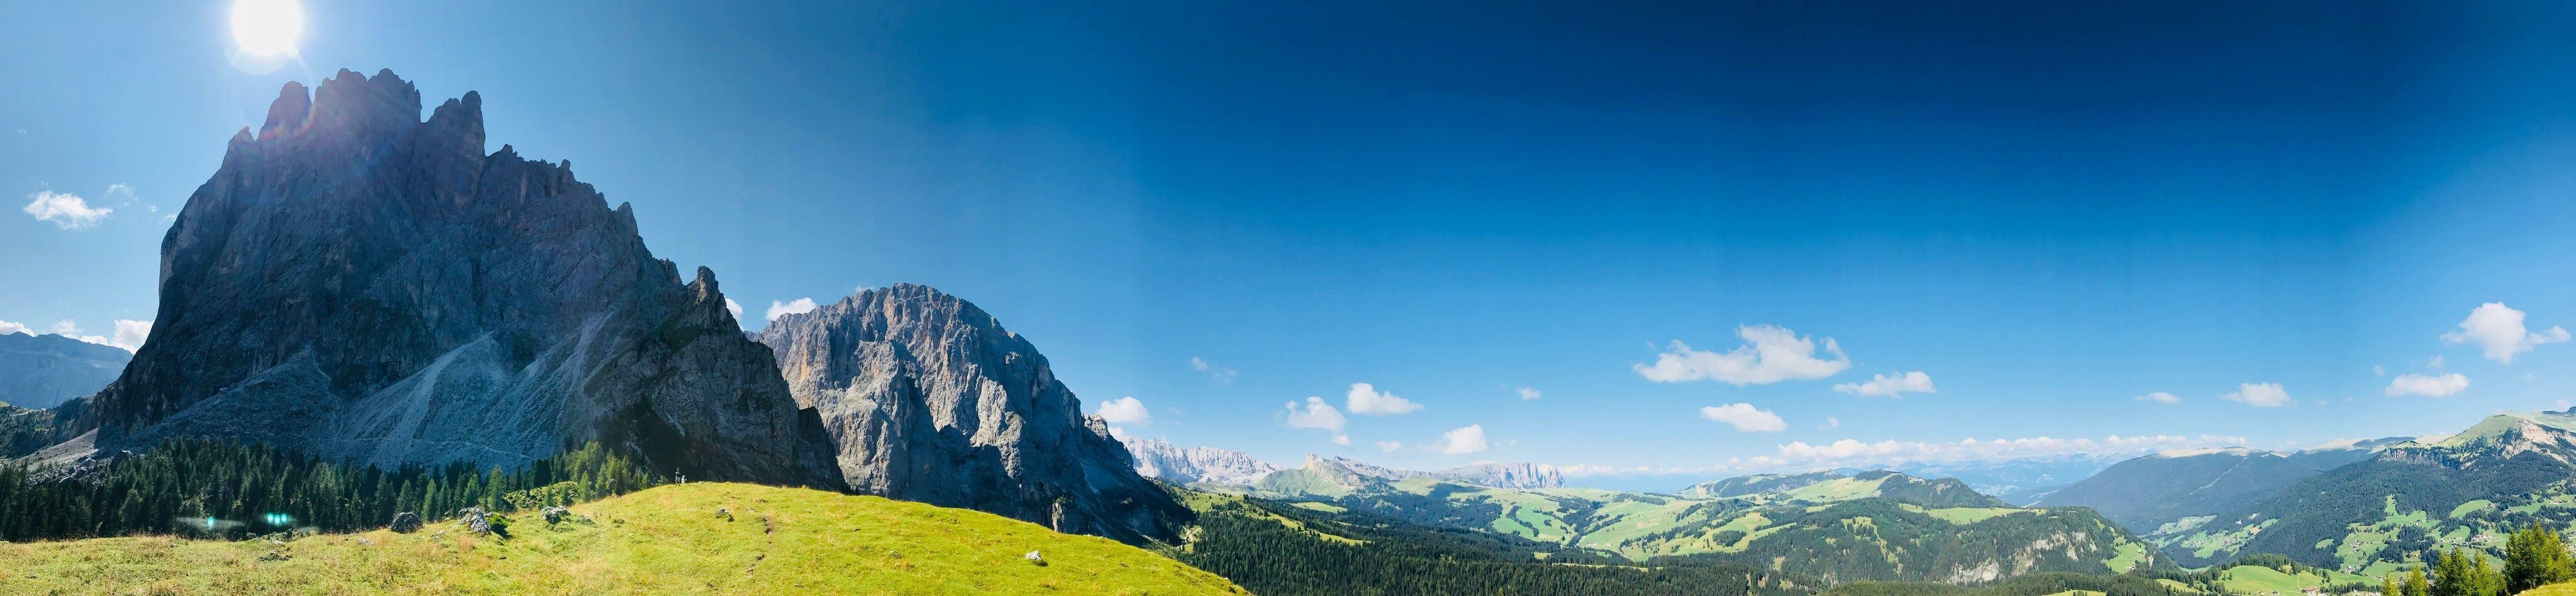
<point x="2048" y="209"/>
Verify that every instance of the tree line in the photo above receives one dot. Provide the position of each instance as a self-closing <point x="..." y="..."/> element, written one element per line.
<point x="2533" y="556"/>
<point x="228" y="489"/>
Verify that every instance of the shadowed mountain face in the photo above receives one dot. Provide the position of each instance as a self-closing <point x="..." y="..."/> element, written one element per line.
<point x="361" y="284"/>
<point x="931" y="400"/>
<point x="39" y="371"/>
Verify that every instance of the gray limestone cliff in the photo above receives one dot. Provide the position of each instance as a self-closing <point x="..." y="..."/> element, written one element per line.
<point x="931" y="400"/>
<point x="359" y="283"/>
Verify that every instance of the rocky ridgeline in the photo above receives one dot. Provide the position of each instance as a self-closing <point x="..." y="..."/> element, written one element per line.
<point x="1156" y="458"/>
<point x="361" y="284"/>
<point x="929" y="399"/>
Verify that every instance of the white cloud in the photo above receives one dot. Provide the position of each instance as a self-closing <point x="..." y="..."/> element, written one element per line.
<point x="66" y="211"/>
<point x="1219" y="373"/>
<point x="2498" y="331"/>
<point x="8" y="328"/>
<point x="1770" y="354"/>
<point x="1465" y="440"/>
<point x="1855" y="452"/>
<point x="1320" y="415"/>
<point x="796" y="307"/>
<point x="1831" y="423"/>
<point x="2160" y="397"/>
<point x="1125" y="410"/>
<point x="2428" y="386"/>
<point x="2435" y="362"/>
<point x="2378" y="372"/>
<point x="130" y="334"/>
<point x="1744" y="418"/>
<point x="2260" y="395"/>
<point x="733" y="307"/>
<point x="1388" y="446"/>
<point x="1528" y="393"/>
<point x="1889" y="386"/>
<point x="1366" y="399"/>
<point x="1120" y="434"/>
<point x="66" y="327"/>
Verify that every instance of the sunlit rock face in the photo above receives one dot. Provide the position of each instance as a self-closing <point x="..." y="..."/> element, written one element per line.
<point x="931" y="400"/>
<point x="361" y="284"/>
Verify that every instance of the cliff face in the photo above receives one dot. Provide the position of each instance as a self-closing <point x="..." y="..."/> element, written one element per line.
<point x="930" y="399"/>
<point x="359" y="283"/>
<point x="41" y="371"/>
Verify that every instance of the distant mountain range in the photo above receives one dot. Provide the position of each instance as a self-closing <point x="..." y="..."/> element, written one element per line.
<point x="41" y="371"/>
<point x="1234" y="471"/>
<point x="2148" y="492"/>
<point x="2403" y="501"/>
<point x="1833" y="525"/>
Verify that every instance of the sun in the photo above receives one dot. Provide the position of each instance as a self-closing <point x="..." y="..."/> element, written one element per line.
<point x="267" y="28"/>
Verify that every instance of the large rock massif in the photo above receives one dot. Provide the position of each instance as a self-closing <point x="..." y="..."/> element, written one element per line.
<point x="930" y="399"/>
<point x="361" y="284"/>
<point x="40" y="371"/>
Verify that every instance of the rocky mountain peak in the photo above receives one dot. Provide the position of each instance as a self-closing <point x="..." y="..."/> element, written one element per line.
<point x="930" y="399"/>
<point x="361" y="284"/>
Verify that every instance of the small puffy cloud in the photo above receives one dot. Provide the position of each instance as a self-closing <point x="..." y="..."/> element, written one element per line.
<point x="130" y="334"/>
<point x="2260" y="395"/>
<point x="1125" y="410"/>
<point x="1120" y="434"/>
<point x="1367" y="400"/>
<point x="2435" y="362"/>
<point x="1218" y="373"/>
<point x="65" y="211"/>
<point x="2160" y="397"/>
<point x="733" y="307"/>
<point x="1830" y="423"/>
<point x="1388" y="446"/>
<point x="1465" y="440"/>
<point x="1318" y="415"/>
<point x="1895" y="386"/>
<point x="2499" y="333"/>
<point x="2378" y="372"/>
<point x="8" y="328"/>
<point x="66" y="327"/>
<point x="1744" y="418"/>
<point x="1528" y="392"/>
<point x="2427" y="386"/>
<point x="1770" y="354"/>
<point x="795" y="307"/>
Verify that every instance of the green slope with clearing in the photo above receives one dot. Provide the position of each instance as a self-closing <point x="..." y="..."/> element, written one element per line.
<point x="664" y="540"/>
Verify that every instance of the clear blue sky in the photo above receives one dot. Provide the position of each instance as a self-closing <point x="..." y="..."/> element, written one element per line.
<point x="2048" y="208"/>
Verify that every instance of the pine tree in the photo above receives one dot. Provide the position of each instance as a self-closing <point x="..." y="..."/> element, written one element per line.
<point x="2415" y="584"/>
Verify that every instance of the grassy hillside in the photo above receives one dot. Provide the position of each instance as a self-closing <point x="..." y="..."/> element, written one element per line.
<point x="1288" y="550"/>
<point x="2366" y="518"/>
<point x="1871" y="525"/>
<point x="659" y="541"/>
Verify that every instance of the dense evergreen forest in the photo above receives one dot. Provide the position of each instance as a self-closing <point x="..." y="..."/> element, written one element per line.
<point x="1281" y="550"/>
<point x="233" y="490"/>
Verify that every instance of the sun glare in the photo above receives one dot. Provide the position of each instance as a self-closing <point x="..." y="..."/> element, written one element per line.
<point x="267" y="28"/>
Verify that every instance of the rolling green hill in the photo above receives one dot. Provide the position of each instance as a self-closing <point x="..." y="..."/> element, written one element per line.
<point x="1280" y="549"/>
<point x="1835" y="527"/>
<point x="2371" y="516"/>
<point x="670" y="539"/>
<point x="2150" y="491"/>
